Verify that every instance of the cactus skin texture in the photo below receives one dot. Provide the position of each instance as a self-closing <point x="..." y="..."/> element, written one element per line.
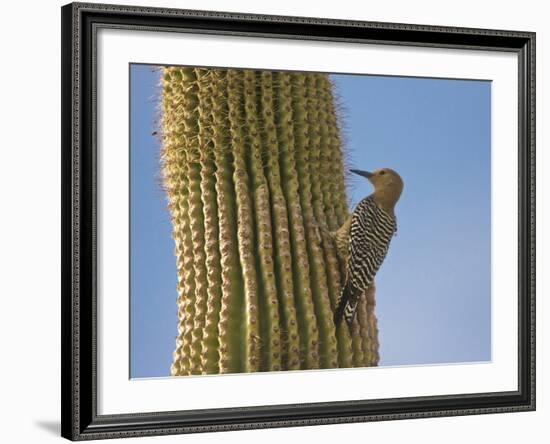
<point x="252" y="165"/>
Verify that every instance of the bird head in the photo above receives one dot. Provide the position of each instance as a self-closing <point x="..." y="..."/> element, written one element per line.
<point x="388" y="185"/>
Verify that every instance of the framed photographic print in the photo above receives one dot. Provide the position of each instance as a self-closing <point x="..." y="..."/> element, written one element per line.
<point x="275" y="221"/>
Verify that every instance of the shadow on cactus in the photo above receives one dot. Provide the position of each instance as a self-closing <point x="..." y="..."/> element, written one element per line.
<point x="253" y="168"/>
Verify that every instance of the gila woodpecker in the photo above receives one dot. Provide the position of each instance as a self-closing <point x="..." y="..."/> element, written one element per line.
<point x="365" y="238"/>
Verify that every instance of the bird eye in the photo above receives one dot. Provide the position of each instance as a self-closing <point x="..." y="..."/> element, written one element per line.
<point x="382" y="173"/>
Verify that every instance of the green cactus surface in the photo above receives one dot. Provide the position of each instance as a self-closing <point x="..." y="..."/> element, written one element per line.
<point x="252" y="164"/>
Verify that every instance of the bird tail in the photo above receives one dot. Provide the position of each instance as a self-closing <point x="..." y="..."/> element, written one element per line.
<point x="346" y="306"/>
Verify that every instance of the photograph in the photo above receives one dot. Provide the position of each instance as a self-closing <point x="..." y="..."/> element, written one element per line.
<point x="282" y="221"/>
<point x="295" y="220"/>
<point x="274" y="222"/>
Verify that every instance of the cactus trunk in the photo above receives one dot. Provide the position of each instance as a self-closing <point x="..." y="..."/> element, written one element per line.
<point x="253" y="170"/>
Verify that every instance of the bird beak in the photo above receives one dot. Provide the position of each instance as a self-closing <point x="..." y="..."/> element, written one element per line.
<point x="366" y="174"/>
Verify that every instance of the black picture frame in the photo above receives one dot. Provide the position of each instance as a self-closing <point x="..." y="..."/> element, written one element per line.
<point x="79" y="211"/>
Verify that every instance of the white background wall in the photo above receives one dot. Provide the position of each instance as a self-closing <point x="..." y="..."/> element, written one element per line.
<point x="30" y="220"/>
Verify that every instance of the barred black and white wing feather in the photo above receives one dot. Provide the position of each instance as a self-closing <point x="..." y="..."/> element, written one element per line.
<point x="371" y="231"/>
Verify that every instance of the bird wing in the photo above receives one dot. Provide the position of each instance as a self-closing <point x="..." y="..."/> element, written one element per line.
<point x="371" y="231"/>
<point x="370" y="234"/>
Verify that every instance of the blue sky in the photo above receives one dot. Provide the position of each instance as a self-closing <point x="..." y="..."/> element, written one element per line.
<point x="433" y="290"/>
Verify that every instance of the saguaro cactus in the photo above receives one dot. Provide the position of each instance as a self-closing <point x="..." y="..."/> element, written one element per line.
<point x="252" y="166"/>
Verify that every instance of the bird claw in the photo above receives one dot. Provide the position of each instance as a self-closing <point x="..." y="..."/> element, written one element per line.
<point x="320" y="230"/>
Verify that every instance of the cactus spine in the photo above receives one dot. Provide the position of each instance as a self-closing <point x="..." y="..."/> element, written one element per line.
<point x="252" y="166"/>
